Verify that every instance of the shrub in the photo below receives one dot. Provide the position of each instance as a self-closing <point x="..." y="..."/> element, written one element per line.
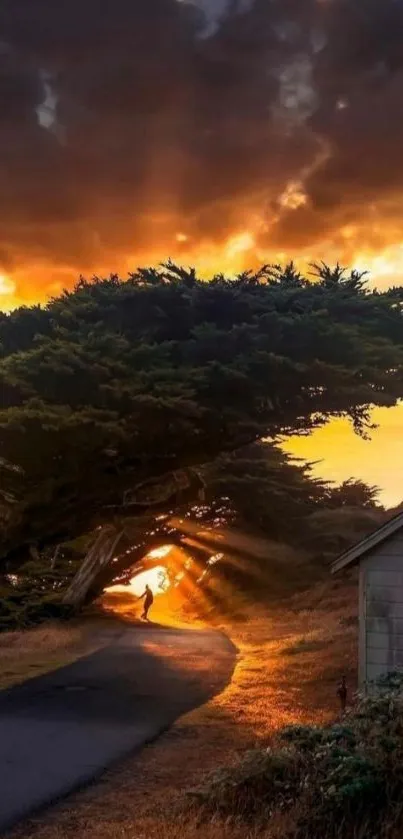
<point x="17" y="611"/>
<point x="263" y="782"/>
<point x="343" y="780"/>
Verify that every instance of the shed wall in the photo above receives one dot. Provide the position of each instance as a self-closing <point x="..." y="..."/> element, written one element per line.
<point x="381" y="610"/>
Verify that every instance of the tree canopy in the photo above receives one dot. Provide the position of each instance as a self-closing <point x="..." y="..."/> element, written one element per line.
<point x="266" y="527"/>
<point x="117" y="384"/>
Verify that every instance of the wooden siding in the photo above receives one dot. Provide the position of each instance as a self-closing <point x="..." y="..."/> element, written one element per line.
<point x="362" y="641"/>
<point x="368" y="545"/>
<point x="378" y="625"/>
<point x="376" y="640"/>
<point x="390" y="549"/>
<point x="385" y="577"/>
<point x="381" y="610"/>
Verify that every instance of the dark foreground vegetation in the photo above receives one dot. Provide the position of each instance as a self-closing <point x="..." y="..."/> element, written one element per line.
<point x="125" y="403"/>
<point x="340" y="781"/>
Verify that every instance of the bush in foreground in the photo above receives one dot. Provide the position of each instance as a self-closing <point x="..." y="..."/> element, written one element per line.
<point x="345" y="780"/>
<point x="19" y="610"/>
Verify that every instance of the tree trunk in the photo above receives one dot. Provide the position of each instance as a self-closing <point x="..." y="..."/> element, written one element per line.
<point x="98" y="557"/>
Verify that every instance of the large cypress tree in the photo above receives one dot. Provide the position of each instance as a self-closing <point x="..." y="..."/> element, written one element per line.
<point x="110" y="389"/>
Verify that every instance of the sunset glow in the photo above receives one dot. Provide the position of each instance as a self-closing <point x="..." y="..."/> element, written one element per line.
<point x="115" y="156"/>
<point x="243" y="249"/>
<point x="7" y="288"/>
<point x="341" y="454"/>
<point x="249" y="133"/>
<point x="159" y="553"/>
<point x="153" y="577"/>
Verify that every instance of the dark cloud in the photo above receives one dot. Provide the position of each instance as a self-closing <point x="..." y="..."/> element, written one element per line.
<point x="122" y="123"/>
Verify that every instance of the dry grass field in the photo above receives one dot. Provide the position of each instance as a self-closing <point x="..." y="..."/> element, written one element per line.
<point x="290" y="660"/>
<point x="28" y="653"/>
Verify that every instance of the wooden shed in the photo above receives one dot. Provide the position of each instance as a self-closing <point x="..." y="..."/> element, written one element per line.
<point x="380" y="560"/>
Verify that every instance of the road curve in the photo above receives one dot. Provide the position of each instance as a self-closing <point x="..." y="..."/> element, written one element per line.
<point x="62" y="730"/>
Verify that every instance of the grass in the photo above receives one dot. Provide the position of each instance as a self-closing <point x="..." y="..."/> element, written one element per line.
<point x="32" y="652"/>
<point x="347" y="776"/>
<point x="146" y="797"/>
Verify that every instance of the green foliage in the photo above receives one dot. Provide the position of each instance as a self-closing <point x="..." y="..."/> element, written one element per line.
<point x="264" y="782"/>
<point x="34" y="594"/>
<point x="260" y="492"/>
<point x="21" y="609"/>
<point x="263" y="491"/>
<point x="119" y="382"/>
<point x="343" y="780"/>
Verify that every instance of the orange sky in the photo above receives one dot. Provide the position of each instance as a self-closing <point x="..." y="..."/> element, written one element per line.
<point x="36" y="281"/>
<point x="340" y="452"/>
<point x="31" y="281"/>
<point x="251" y="132"/>
<point x="342" y="455"/>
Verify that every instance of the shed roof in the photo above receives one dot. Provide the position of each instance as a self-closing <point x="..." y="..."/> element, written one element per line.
<point x="358" y="551"/>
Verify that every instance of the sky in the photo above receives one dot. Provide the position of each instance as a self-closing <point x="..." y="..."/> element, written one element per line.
<point x="339" y="454"/>
<point x="221" y="133"/>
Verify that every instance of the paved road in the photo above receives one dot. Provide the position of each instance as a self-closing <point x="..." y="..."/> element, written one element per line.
<point x="61" y="730"/>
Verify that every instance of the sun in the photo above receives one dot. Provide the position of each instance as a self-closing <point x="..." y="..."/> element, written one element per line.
<point x="159" y="553"/>
<point x="156" y="578"/>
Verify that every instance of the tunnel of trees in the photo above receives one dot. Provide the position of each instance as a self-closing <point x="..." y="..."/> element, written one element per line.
<point x="128" y="406"/>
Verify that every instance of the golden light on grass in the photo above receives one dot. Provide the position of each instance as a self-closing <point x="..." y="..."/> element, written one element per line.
<point x="177" y="581"/>
<point x="289" y="661"/>
<point x="28" y="653"/>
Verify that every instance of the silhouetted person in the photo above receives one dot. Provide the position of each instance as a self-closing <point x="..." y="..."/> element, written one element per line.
<point x="148" y="602"/>
<point x="342" y="694"/>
